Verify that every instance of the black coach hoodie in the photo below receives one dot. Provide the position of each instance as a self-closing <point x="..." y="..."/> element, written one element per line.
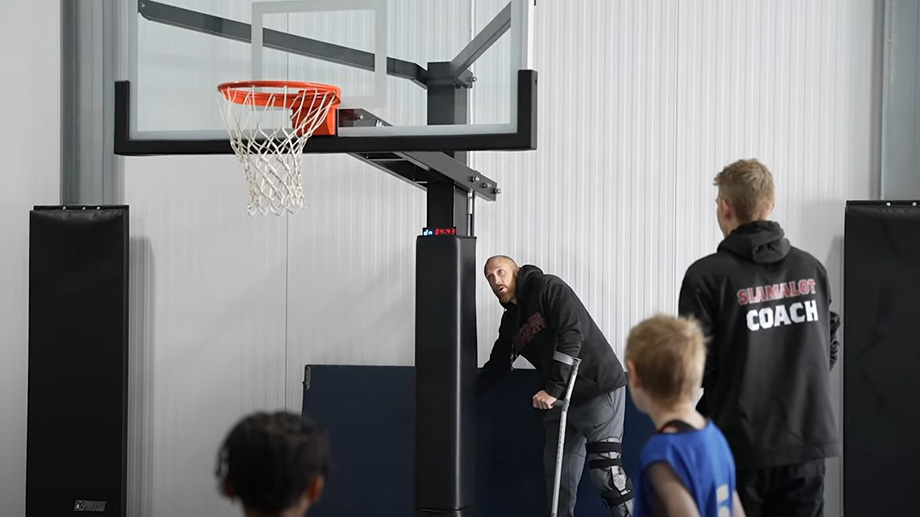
<point x="549" y="319"/>
<point x="765" y="307"/>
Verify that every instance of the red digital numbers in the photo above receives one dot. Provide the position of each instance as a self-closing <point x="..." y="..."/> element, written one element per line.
<point x="438" y="231"/>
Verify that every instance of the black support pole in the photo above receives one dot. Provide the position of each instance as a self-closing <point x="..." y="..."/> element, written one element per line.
<point x="445" y="376"/>
<point x="448" y="99"/>
<point x="448" y="103"/>
<point x="448" y="206"/>
<point x="445" y="329"/>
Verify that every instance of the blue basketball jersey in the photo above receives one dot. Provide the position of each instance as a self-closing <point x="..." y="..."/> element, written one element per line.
<point x="702" y="461"/>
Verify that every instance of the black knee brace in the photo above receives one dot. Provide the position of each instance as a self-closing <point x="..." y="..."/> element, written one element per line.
<point x="606" y="463"/>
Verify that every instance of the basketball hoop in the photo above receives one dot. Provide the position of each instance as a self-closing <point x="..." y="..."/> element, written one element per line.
<point x="269" y="122"/>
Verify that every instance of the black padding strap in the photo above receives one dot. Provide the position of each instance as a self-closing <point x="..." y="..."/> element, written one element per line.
<point x="615" y="498"/>
<point x="601" y="447"/>
<point x="606" y="462"/>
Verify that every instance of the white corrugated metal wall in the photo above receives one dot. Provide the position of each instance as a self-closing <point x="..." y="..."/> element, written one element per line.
<point x="30" y="57"/>
<point x="640" y="104"/>
<point x="207" y="324"/>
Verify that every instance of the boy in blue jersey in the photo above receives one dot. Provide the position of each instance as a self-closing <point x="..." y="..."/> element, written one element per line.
<point x="686" y="468"/>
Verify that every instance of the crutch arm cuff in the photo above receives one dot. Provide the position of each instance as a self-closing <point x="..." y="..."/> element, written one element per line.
<point x="563" y="358"/>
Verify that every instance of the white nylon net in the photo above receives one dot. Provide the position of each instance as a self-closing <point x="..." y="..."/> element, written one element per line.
<point x="269" y="140"/>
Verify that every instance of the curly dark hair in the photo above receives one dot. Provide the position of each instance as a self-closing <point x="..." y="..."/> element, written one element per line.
<point x="270" y="459"/>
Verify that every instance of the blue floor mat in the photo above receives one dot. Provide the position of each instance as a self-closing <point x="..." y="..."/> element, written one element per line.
<point x="370" y="414"/>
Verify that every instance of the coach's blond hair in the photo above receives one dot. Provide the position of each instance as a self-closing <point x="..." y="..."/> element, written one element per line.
<point x="748" y="186"/>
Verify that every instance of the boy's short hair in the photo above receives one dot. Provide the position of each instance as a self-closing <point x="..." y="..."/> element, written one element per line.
<point x="268" y="460"/>
<point x="669" y="354"/>
<point x="748" y="186"/>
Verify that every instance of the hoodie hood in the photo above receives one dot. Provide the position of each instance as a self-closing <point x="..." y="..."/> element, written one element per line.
<point x="525" y="280"/>
<point x="761" y="242"/>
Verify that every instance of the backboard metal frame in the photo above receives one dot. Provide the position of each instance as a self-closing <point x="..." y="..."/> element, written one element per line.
<point x="524" y="138"/>
<point x="444" y="136"/>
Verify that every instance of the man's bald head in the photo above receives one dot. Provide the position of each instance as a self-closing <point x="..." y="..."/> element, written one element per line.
<point x="501" y="272"/>
<point x="501" y="259"/>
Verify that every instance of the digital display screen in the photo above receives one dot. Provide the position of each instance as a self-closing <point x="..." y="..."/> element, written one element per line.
<point x="428" y="232"/>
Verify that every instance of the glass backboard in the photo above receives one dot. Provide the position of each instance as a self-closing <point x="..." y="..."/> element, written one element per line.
<point x="433" y="75"/>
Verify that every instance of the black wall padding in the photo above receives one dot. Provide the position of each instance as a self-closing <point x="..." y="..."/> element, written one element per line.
<point x="370" y="414"/>
<point x="78" y="334"/>
<point x="881" y="347"/>
<point x="445" y="359"/>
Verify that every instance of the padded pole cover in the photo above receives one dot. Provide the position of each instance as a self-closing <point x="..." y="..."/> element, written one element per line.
<point x="881" y="351"/>
<point x="78" y="336"/>
<point x="445" y="375"/>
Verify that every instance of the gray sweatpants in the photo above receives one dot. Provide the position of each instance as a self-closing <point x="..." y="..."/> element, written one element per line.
<point x="595" y="429"/>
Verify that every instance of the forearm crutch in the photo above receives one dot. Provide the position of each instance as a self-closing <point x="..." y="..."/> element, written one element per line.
<point x="564" y="403"/>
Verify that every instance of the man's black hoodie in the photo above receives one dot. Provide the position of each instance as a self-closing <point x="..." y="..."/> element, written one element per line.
<point x="549" y="319"/>
<point x="765" y="307"/>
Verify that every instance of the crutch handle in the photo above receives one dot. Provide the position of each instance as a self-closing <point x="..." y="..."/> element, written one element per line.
<point x="563" y="403"/>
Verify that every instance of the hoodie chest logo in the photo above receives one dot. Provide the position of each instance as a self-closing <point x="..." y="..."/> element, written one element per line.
<point x="528" y="330"/>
